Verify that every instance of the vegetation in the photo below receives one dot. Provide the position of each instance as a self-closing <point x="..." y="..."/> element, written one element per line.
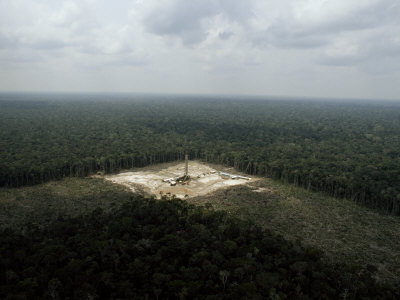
<point x="341" y="229"/>
<point x="44" y="203"/>
<point x="169" y="249"/>
<point x="344" y="149"/>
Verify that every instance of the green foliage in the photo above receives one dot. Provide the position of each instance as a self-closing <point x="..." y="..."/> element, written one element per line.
<point x="343" y="230"/>
<point x="169" y="249"/>
<point x="344" y="149"/>
<point x="35" y="206"/>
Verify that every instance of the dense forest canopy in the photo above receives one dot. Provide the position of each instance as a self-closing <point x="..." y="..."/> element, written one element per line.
<point x="168" y="249"/>
<point x="346" y="149"/>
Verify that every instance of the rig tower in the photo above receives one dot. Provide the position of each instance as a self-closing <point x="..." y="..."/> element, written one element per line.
<point x="186" y="165"/>
<point x="185" y="178"/>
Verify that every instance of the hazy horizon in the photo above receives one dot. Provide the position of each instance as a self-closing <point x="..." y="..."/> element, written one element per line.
<point x="158" y="96"/>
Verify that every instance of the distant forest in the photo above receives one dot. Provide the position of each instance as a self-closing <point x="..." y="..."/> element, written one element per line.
<point x="345" y="149"/>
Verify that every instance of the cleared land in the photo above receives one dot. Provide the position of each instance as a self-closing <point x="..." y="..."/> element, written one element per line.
<point x="344" y="231"/>
<point x="204" y="179"/>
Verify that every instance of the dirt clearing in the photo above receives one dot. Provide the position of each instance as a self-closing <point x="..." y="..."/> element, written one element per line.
<point x="203" y="180"/>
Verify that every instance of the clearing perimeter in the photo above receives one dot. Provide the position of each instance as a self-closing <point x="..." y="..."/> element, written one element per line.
<point x="204" y="179"/>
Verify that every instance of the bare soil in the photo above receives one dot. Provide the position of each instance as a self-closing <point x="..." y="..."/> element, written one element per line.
<point x="204" y="179"/>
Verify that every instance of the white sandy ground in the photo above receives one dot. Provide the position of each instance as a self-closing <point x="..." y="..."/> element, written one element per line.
<point x="204" y="179"/>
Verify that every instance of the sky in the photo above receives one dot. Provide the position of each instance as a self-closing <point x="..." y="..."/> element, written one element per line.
<point x="293" y="48"/>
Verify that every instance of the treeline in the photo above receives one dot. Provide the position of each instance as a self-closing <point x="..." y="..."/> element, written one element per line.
<point x="168" y="249"/>
<point x="347" y="150"/>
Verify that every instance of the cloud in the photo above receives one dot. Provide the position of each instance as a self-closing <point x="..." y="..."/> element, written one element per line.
<point x="224" y="45"/>
<point x="323" y="26"/>
<point x="309" y="24"/>
<point x="225" y="35"/>
<point x="7" y="41"/>
<point x="192" y="21"/>
<point x="280" y="35"/>
<point x="363" y="49"/>
<point x="182" y="19"/>
<point x="65" y="30"/>
<point x="43" y="28"/>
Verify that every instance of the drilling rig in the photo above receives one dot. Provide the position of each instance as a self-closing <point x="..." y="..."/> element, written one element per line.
<point x="185" y="179"/>
<point x="186" y="165"/>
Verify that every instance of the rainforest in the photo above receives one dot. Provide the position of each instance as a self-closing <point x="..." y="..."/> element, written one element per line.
<point x="68" y="234"/>
<point x="344" y="149"/>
